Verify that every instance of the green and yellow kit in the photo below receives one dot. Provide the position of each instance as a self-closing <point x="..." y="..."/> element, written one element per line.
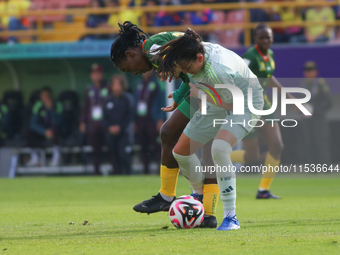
<point x="180" y="95"/>
<point x="263" y="67"/>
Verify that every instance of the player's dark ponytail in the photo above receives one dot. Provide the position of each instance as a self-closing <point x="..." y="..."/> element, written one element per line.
<point x="182" y="49"/>
<point x="130" y="36"/>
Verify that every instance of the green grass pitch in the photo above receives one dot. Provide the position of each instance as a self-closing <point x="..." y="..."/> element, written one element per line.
<point x="35" y="217"/>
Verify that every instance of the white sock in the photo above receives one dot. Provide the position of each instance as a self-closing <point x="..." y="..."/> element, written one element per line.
<point x="34" y="155"/>
<point x="220" y="151"/>
<point x="190" y="167"/>
<point x="260" y="189"/>
<point x="166" y="198"/>
<point x="229" y="213"/>
<point x="198" y="191"/>
<point x="55" y="156"/>
<point x="34" y="158"/>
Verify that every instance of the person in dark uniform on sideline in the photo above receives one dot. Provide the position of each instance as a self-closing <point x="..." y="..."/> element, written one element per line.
<point x="45" y="124"/>
<point x="315" y="130"/>
<point x="4" y="122"/>
<point x="92" y="113"/>
<point x="150" y="118"/>
<point x="117" y="117"/>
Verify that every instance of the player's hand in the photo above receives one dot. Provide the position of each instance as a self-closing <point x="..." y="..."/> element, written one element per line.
<point x="194" y="89"/>
<point x="82" y="127"/>
<point x="49" y="134"/>
<point x="170" y="108"/>
<point x="114" y="130"/>
<point x="164" y="78"/>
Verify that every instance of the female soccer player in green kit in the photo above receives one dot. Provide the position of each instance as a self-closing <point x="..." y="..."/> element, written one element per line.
<point x="131" y="52"/>
<point x="260" y="60"/>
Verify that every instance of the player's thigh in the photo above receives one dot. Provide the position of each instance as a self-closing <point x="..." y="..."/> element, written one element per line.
<point x="186" y="146"/>
<point x="234" y="133"/>
<point x="206" y="154"/>
<point x="201" y="128"/>
<point x="210" y="176"/>
<point x="272" y="135"/>
<point x="252" y="150"/>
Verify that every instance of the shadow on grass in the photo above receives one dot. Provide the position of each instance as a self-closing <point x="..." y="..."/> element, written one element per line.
<point x="88" y="232"/>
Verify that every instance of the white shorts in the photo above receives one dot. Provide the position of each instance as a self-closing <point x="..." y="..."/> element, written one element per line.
<point x="203" y="128"/>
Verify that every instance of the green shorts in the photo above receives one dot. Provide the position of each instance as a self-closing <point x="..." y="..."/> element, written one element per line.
<point x="189" y="106"/>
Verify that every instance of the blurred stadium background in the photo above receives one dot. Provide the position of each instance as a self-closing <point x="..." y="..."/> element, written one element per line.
<point x="60" y="44"/>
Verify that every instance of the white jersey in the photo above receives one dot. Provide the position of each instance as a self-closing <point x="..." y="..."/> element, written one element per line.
<point x="223" y="66"/>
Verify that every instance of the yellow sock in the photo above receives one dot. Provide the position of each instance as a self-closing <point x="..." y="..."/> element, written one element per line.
<point x="237" y="156"/>
<point x="169" y="177"/>
<point x="267" y="177"/>
<point x="211" y="193"/>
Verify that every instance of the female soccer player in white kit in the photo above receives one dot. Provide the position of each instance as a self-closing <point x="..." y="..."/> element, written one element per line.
<point x="207" y="65"/>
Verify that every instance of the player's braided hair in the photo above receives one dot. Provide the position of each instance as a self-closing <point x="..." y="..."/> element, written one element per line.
<point x="183" y="49"/>
<point x="130" y="36"/>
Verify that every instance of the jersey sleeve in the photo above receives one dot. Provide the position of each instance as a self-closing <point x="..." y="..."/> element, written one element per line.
<point x="179" y="94"/>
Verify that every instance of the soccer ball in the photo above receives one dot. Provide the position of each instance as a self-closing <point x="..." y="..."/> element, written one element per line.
<point x="186" y="212"/>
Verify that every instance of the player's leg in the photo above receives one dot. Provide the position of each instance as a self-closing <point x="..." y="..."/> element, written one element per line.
<point x="251" y="152"/>
<point x="211" y="192"/>
<point x="124" y="153"/>
<point x="221" y="149"/>
<point x="272" y="136"/>
<point x="184" y="153"/>
<point x="96" y="141"/>
<point x="170" y="133"/>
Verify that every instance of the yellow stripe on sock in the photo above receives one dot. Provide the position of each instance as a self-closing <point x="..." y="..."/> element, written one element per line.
<point x="169" y="177"/>
<point x="238" y="156"/>
<point x="268" y="177"/>
<point x="211" y="193"/>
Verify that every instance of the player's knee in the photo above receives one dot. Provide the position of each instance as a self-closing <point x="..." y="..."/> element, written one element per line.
<point x="276" y="150"/>
<point x="179" y="158"/>
<point x="165" y="134"/>
<point x="220" y="149"/>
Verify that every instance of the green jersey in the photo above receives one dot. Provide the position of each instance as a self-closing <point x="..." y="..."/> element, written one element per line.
<point x="153" y="43"/>
<point x="262" y="66"/>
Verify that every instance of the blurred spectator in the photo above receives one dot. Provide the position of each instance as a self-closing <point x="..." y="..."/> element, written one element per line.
<point x="150" y="118"/>
<point x="4" y="122"/>
<point x="70" y="101"/>
<point x="16" y="21"/>
<point x="201" y="18"/>
<point x="123" y="15"/>
<point x="316" y="33"/>
<point x="291" y="14"/>
<point x="95" y="20"/>
<point x="263" y="16"/>
<point x="117" y="116"/>
<point x="92" y="113"/>
<point x="151" y="16"/>
<point x="13" y="99"/>
<point x="45" y="125"/>
<point x="166" y="18"/>
<point x="315" y="131"/>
